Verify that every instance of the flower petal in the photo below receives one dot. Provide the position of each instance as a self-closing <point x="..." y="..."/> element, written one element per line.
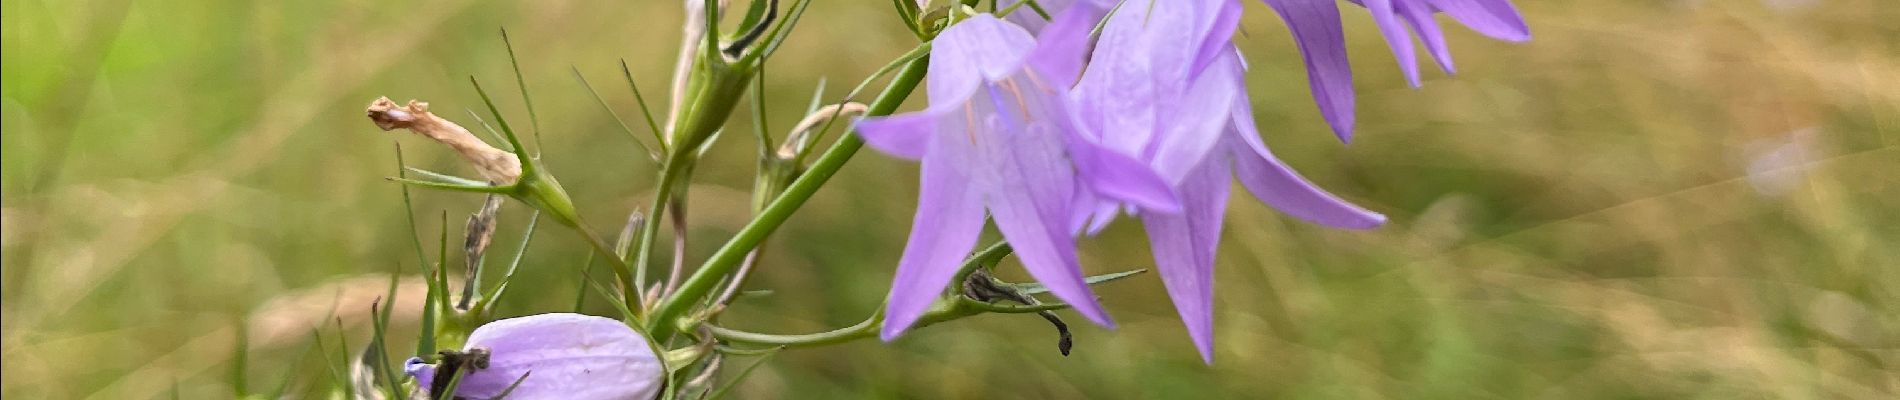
<point x="571" y="356"/>
<point x="979" y="49"/>
<point x="1198" y="119"/>
<point x="949" y="218"/>
<point x="1498" y="19"/>
<point x="1115" y="99"/>
<point x="1385" y="14"/>
<point x="1322" y="41"/>
<point x="1121" y="178"/>
<point x="1274" y="183"/>
<point x="1029" y="19"/>
<point x="1224" y="18"/>
<point x="423" y="371"/>
<point x="906" y="135"/>
<point x="1030" y="197"/>
<point x="1419" y="16"/>
<point x="1184" y="245"/>
<point x="1062" y="46"/>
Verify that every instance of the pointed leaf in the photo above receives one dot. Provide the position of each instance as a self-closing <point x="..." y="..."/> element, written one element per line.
<point x="1036" y="288"/>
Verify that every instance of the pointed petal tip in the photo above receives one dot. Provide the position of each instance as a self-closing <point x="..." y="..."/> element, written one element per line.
<point x="1372" y="220"/>
<point x="1093" y="311"/>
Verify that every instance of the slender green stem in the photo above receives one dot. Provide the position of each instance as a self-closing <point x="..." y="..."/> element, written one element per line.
<point x="662" y="323"/>
<point x="862" y="330"/>
<point x="958" y="308"/>
<point x="673" y="174"/>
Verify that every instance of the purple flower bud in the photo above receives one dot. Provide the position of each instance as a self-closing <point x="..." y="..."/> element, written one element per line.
<point x="564" y="356"/>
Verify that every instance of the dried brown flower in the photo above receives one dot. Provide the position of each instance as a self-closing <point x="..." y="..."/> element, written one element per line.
<point x="497" y="166"/>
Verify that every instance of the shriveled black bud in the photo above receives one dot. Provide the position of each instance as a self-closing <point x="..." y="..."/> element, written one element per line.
<point x="980" y="286"/>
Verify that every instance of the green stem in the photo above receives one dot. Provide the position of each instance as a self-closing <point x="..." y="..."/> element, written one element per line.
<point x="862" y="330"/>
<point x="663" y="324"/>
<point x="953" y="309"/>
<point x="649" y="232"/>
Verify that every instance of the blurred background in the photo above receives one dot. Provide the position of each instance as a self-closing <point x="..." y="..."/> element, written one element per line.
<point x="1652" y="199"/>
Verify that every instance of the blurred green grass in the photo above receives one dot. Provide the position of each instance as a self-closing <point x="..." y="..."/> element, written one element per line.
<point x="1572" y="218"/>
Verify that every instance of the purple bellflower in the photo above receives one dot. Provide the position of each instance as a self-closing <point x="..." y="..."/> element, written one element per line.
<point x="1315" y="25"/>
<point x="997" y="136"/>
<point x="563" y="356"/>
<point x="1165" y="85"/>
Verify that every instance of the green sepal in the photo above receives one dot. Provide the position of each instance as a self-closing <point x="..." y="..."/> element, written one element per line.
<point x="1037" y="288"/>
<point x="453" y="187"/>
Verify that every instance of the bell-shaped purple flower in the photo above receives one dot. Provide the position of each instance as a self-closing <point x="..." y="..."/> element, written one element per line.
<point x="563" y="356"/>
<point x="997" y="137"/>
<point x="1316" y="28"/>
<point x="1165" y="85"/>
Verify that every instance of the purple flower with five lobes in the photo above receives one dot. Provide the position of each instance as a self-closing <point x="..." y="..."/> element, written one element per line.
<point x="1315" y="25"/>
<point x="1165" y="85"/>
<point x="997" y="137"/>
<point x="562" y="356"/>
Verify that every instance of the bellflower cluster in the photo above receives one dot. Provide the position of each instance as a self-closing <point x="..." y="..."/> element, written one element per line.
<point x="997" y="137"/>
<point x="1163" y="85"/>
<point x="1053" y="124"/>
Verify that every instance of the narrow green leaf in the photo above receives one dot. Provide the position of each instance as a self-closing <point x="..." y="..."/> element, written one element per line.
<point x="711" y="52"/>
<point x="343" y="350"/>
<point x="817" y="97"/>
<point x="378" y="348"/>
<point x="455" y="383"/>
<point x="1036" y="288"/>
<point x="626" y="315"/>
<point x="753" y="13"/>
<point x="534" y="122"/>
<point x="514" y="141"/>
<point x="336" y="377"/>
<point x="240" y="382"/>
<point x="437" y="289"/>
<point x="777" y="37"/>
<point x="580" y="294"/>
<point x="734" y="380"/>
<point x="511" y="387"/>
<point x="502" y="142"/>
<point x="906" y="11"/>
<point x="484" y="188"/>
<point x="446" y="178"/>
<point x="283" y="387"/>
<point x="917" y="52"/>
<point x="409" y="209"/>
<point x="515" y="265"/>
<point x="652" y="125"/>
<point x="651" y="155"/>
<point x="1010" y="309"/>
<point x="759" y="128"/>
